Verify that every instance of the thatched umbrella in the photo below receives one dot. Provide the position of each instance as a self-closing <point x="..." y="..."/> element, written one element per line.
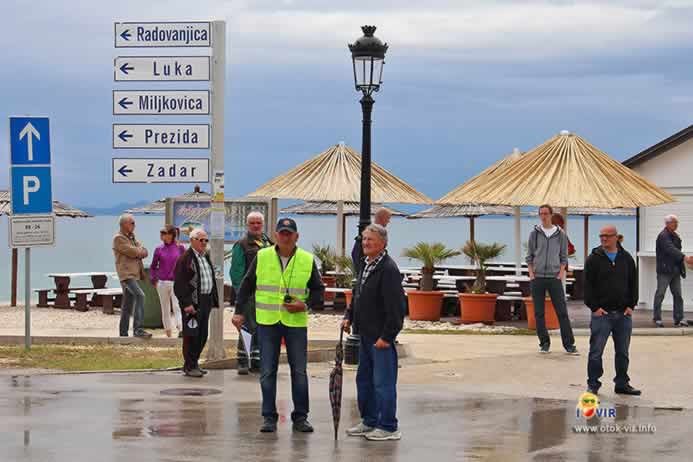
<point x="335" y="175"/>
<point x="586" y="212"/>
<point x="59" y="209"/>
<point x="471" y="211"/>
<point x="565" y="171"/>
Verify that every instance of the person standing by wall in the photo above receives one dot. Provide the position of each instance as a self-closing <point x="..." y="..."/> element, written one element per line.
<point x="129" y="253"/>
<point x="242" y="255"/>
<point x="547" y="260"/>
<point x="162" y="275"/>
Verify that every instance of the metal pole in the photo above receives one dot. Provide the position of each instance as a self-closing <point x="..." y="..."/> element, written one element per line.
<point x="365" y="205"/>
<point x="27" y="298"/>
<point x="215" y="349"/>
<point x="15" y="263"/>
<point x="340" y="229"/>
<point x="586" y="239"/>
<point x="518" y="242"/>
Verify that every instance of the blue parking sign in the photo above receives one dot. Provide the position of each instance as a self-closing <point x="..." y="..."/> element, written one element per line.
<point x="31" y="190"/>
<point x="30" y="141"/>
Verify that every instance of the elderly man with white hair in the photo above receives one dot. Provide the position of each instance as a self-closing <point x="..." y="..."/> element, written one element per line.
<point x="381" y="217"/>
<point x="242" y="255"/>
<point x="671" y="267"/>
<point x="196" y="289"/>
<point x="129" y="253"/>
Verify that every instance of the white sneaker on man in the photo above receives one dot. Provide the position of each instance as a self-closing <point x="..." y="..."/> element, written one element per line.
<point x="359" y="430"/>
<point x="383" y="435"/>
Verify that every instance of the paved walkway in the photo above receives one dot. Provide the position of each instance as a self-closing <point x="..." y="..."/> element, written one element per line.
<point x="460" y="398"/>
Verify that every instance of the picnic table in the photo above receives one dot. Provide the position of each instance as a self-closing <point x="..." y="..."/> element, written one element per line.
<point x="62" y="287"/>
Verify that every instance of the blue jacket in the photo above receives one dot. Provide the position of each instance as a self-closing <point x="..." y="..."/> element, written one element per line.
<point x="669" y="255"/>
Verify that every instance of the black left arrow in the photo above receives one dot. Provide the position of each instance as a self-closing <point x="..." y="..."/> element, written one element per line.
<point x="125" y="68"/>
<point x="125" y="102"/>
<point x="124" y="170"/>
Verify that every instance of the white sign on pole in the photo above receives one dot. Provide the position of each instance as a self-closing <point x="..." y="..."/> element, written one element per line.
<point x="32" y="231"/>
<point x="161" y="136"/>
<point x="161" y="68"/>
<point x="129" y="170"/>
<point x="160" y="102"/>
<point x="162" y="34"/>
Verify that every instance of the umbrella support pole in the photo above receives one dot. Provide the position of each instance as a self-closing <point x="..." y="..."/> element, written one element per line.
<point x="518" y="242"/>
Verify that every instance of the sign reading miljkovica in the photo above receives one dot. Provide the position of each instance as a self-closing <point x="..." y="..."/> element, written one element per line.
<point x="160" y="102"/>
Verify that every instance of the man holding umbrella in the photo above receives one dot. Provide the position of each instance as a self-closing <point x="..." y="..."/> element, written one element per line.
<point x="377" y="311"/>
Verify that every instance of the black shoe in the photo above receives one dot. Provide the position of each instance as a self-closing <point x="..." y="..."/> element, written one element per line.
<point x="594" y="391"/>
<point x="627" y="390"/>
<point x="242" y="369"/>
<point x="659" y="323"/>
<point x="544" y="349"/>
<point x="303" y="426"/>
<point x="681" y="324"/>
<point x="204" y="371"/>
<point x="572" y="350"/>
<point x="269" y="425"/>
<point x="124" y="335"/>
<point x="143" y="334"/>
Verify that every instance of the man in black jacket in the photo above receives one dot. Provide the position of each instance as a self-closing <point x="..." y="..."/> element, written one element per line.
<point x="611" y="292"/>
<point x="196" y="289"/>
<point x="671" y="267"/>
<point x="377" y="311"/>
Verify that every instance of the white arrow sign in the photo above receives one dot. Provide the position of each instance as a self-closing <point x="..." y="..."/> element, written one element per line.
<point x="160" y="170"/>
<point x="30" y="132"/>
<point x="161" y="102"/>
<point x="161" y="136"/>
<point x="161" y="68"/>
<point x="162" y="34"/>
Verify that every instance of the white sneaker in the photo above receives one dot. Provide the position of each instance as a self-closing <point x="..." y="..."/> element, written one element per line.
<point x="383" y="435"/>
<point x="359" y="430"/>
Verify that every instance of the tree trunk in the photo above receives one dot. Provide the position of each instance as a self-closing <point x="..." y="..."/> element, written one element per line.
<point x="427" y="279"/>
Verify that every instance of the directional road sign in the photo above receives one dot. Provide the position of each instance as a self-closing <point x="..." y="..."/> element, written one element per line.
<point x="162" y="34"/>
<point x="160" y="102"/>
<point x="161" y="68"/>
<point x="30" y="141"/>
<point x="31" y="191"/>
<point x="160" y="170"/>
<point x="161" y="136"/>
<point x="30" y="170"/>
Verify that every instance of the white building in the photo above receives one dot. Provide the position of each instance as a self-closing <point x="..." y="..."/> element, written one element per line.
<point x="669" y="165"/>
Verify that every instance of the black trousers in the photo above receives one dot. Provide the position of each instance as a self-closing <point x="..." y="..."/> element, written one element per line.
<point x="194" y="344"/>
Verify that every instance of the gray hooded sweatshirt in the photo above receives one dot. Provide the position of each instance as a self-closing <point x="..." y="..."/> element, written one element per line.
<point x="547" y="254"/>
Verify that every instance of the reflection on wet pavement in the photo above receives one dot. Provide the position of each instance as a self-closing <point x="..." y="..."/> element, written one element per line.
<point x="125" y="417"/>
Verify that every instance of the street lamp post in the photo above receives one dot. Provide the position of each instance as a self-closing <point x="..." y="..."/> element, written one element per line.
<point x="368" y="57"/>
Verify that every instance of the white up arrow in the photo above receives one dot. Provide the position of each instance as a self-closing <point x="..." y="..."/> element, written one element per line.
<point x="29" y="131"/>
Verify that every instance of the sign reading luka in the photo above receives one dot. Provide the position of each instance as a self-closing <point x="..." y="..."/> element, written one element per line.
<point x="30" y="177"/>
<point x="162" y="34"/>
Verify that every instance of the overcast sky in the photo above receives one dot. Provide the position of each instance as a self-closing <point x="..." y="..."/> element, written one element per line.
<point x="465" y="82"/>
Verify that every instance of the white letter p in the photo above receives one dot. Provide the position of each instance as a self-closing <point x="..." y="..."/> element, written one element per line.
<point x="31" y="185"/>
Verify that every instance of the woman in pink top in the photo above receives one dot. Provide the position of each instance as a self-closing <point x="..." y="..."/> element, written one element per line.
<point x="161" y="273"/>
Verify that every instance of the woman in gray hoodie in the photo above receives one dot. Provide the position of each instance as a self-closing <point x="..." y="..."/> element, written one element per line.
<point x="547" y="260"/>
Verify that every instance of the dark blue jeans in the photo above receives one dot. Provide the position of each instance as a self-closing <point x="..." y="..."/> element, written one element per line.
<point x="664" y="282"/>
<point x="376" y="385"/>
<point x="619" y="326"/>
<point x="539" y="287"/>
<point x="296" y="338"/>
<point x="133" y="305"/>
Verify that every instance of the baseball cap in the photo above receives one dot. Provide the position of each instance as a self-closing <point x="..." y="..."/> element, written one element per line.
<point x="287" y="224"/>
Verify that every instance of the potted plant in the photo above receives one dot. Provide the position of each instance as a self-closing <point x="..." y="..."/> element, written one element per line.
<point x="345" y="276"/>
<point x="327" y="257"/>
<point x="425" y="304"/>
<point x="478" y="305"/>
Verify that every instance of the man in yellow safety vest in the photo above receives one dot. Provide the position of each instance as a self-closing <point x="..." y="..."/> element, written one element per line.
<point x="286" y="282"/>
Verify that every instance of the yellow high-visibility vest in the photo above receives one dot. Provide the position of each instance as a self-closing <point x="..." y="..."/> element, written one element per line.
<point x="272" y="285"/>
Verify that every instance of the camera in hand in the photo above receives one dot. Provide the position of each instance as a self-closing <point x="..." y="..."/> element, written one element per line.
<point x="288" y="299"/>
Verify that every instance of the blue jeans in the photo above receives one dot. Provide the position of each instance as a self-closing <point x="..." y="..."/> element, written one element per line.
<point x="296" y="338"/>
<point x="376" y="385"/>
<point x="539" y="287"/>
<point x="619" y="326"/>
<point x="133" y="302"/>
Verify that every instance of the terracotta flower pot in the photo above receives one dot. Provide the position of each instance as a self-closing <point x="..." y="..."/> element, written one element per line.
<point x="477" y="308"/>
<point x="329" y="281"/>
<point x="348" y="295"/>
<point x="424" y="305"/>
<point x="549" y="314"/>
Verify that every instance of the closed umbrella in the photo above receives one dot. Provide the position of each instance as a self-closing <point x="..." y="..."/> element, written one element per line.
<point x="336" y="384"/>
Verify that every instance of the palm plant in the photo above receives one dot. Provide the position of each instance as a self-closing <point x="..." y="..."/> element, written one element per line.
<point x="429" y="255"/>
<point x="327" y="256"/>
<point x="347" y="273"/>
<point x="479" y="254"/>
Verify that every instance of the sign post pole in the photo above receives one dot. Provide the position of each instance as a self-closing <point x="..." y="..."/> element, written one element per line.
<point x="27" y="298"/>
<point x="215" y="350"/>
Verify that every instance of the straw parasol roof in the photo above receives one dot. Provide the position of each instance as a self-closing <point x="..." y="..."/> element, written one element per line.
<point x="59" y="209"/>
<point x="467" y="210"/>
<point x="565" y="171"/>
<point x="586" y="212"/>
<point x="159" y="206"/>
<point x="330" y="208"/>
<point x="335" y="175"/>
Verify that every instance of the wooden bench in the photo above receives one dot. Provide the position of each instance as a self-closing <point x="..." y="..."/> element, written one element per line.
<point x="43" y="297"/>
<point x="109" y="298"/>
<point x="504" y="304"/>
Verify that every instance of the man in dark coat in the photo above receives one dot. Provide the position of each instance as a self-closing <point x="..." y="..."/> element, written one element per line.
<point x="377" y="311"/>
<point x="382" y="217"/>
<point x="196" y="289"/>
<point x="611" y="292"/>
<point x="671" y="267"/>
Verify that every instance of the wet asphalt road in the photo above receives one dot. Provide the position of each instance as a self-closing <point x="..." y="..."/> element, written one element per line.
<point x="126" y="417"/>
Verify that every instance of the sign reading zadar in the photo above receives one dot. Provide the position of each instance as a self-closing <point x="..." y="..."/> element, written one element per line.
<point x="160" y="136"/>
<point x="161" y="68"/>
<point x="160" y="102"/>
<point x="162" y="34"/>
<point x="160" y="170"/>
